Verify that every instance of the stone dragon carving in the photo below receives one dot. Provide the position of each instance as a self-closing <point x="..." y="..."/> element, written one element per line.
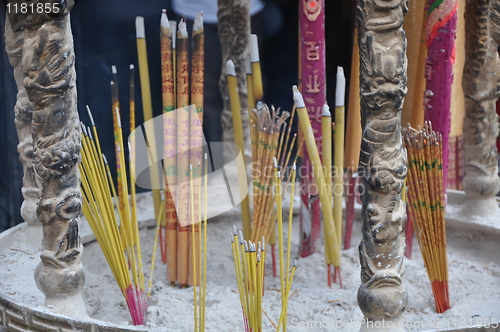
<point x="481" y="85"/>
<point x="383" y="64"/>
<point x="46" y="69"/>
<point x="23" y="111"/>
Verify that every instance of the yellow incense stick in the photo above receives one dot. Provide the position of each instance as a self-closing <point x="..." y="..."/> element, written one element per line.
<point x="279" y="214"/>
<point x="353" y="131"/>
<point x="168" y="71"/>
<point x="196" y="130"/>
<point x="326" y="141"/>
<point x="339" y="152"/>
<point x="282" y="319"/>
<point x="258" y="91"/>
<point x="203" y="290"/>
<point x="147" y="107"/>
<point x="250" y="94"/>
<point x="325" y="197"/>
<point x="183" y="258"/>
<point x="239" y="140"/>
<point x="193" y="247"/>
<point x="289" y="244"/>
<point x="159" y="219"/>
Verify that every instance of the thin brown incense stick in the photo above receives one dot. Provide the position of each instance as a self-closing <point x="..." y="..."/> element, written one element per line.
<point x="183" y="154"/>
<point x="290" y="125"/>
<point x="289" y="153"/>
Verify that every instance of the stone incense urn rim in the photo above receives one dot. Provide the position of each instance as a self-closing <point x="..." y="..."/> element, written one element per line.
<point x="31" y="318"/>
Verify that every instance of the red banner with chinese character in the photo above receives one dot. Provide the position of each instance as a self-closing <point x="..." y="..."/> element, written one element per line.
<point x="313" y="86"/>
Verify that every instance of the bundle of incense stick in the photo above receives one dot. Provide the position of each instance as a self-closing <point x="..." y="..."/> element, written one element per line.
<point x="118" y="237"/>
<point x="199" y="267"/>
<point x="183" y="139"/>
<point x="268" y="142"/>
<point x="426" y="201"/>
<point x="249" y="260"/>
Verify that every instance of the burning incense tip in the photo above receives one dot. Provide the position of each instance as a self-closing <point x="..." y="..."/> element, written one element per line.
<point x="182" y="28"/>
<point x="139" y="27"/>
<point x="230" y="68"/>
<point x="84" y="129"/>
<point x="198" y="22"/>
<point x="326" y="110"/>
<point x="275" y="162"/>
<point x="190" y="167"/>
<point x="294" y="167"/>
<point x="173" y="28"/>
<point x="297" y="97"/>
<point x="90" y="116"/>
<point x="164" y="19"/>
<point x="235" y="231"/>
<point x="340" y="89"/>
<point x="263" y="244"/>
<point x="113" y="69"/>
<point x="295" y="263"/>
<point x="205" y="156"/>
<point x="254" y="48"/>
<point x="105" y="160"/>
<point x="131" y="66"/>
<point x="278" y="174"/>
<point x="90" y="133"/>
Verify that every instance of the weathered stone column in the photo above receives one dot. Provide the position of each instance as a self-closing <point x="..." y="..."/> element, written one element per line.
<point x="23" y="111"/>
<point x="234" y="34"/>
<point x="50" y="81"/>
<point x="382" y="50"/>
<point x="481" y="90"/>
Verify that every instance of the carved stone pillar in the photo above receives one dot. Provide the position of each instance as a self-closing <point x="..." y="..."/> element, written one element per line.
<point x="382" y="50"/>
<point x="50" y="81"/>
<point x="481" y="90"/>
<point x="23" y="110"/>
<point x="234" y="34"/>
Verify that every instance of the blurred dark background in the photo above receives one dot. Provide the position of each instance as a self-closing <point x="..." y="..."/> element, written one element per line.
<point x="104" y="35"/>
